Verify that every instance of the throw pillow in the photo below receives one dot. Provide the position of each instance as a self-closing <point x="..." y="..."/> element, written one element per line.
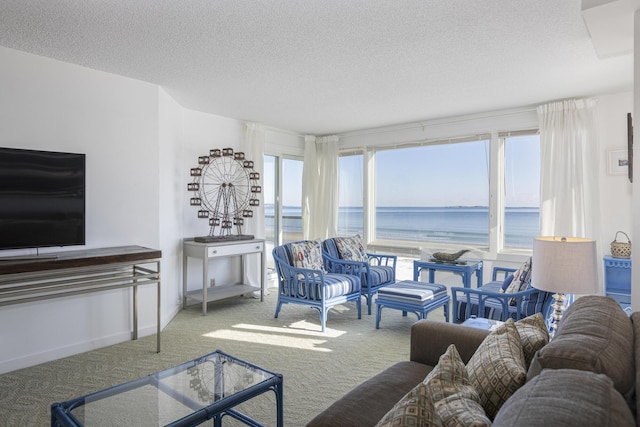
<point x="455" y="400"/>
<point x="595" y="335"/>
<point x="506" y="283"/>
<point x="414" y="409"/>
<point x="520" y="280"/>
<point x="533" y="335"/>
<point x="307" y="254"/>
<point x="351" y="248"/>
<point x="497" y="368"/>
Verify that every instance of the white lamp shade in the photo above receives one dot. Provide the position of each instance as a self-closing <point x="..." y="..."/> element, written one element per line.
<point x="564" y="265"/>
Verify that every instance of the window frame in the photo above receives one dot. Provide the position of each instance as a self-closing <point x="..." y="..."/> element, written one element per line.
<point x="496" y="201"/>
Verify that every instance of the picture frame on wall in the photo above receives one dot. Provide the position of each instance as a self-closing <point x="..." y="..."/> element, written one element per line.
<point x="618" y="162"/>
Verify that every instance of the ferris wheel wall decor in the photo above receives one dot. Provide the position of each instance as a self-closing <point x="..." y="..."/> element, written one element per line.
<point x="225" y="188"/>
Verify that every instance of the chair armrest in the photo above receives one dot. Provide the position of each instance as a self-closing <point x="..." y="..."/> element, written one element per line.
<point x="343" y="266"/>
<point x="504" y="270"/>
<point x="381" y="259"/>
<point x="431" y="338"/>
<point x="483" y="295"/>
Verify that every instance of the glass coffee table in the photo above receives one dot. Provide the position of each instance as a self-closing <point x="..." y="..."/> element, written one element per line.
<point x="207" y="388"/>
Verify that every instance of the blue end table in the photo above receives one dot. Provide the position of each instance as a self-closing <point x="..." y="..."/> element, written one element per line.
<point x="464" y="268"/>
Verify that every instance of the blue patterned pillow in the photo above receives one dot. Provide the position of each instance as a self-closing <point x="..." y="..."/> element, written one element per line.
<point x="351" y="248"/>
<point x="307" y="254"/>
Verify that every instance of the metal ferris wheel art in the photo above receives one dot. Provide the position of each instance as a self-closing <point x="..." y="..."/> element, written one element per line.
<point x="225" y="188"/>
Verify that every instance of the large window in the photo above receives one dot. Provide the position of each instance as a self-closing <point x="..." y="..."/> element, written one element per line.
<point x="481" y="192"/>
<point x="436" y="193"/>
<point x="350" y="213"/>
<point x="522" y="190"/>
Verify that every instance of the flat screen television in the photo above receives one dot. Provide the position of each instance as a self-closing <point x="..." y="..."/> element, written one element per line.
<point x="42" y="198"/>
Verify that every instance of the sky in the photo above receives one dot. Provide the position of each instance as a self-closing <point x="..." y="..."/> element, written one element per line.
<point x="442" y="175"/>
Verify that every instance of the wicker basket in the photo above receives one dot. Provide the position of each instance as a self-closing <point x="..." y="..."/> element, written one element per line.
<point x="621" y="249"/>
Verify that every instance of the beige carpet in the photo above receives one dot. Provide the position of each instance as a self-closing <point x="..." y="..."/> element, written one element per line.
<point x="317" y="367"/>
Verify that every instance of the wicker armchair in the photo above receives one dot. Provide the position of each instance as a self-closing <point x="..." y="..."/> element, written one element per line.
<point x="314" y="287"/>
<point x="491" y="302"/>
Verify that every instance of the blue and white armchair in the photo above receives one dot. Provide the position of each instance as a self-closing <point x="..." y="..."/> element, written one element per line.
<point x="501" y="299"/>
<point x="303" y="279"/>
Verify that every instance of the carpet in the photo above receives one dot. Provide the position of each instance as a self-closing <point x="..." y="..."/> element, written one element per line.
<point x="317" y="367"/>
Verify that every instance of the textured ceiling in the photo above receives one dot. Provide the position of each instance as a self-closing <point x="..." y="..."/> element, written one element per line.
<point x="328" y="66"/>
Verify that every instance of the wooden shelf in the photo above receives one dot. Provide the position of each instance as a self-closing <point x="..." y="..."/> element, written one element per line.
<point x="216" y="293"/>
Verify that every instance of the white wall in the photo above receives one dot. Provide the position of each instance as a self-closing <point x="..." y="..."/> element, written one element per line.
<point x="140" y="145"/>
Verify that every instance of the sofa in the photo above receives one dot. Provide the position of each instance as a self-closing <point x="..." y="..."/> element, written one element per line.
<point x="512" y="375"/>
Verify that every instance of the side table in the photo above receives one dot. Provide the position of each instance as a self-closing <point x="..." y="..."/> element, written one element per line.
<point x="482" y="323"/>
<point x="617" y="279"/>
<point x="465" y="270"/>
<point x="208" y="251"/>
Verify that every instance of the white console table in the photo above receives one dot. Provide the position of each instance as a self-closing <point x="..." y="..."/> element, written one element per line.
<point x="208" y="251"/>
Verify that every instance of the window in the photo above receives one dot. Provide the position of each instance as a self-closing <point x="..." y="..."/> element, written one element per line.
<point x="271" y="209"/>
<point x="436" y="193"/>
<point x="522" y="190"/>
<point x="350" y="210"/>
<point x="282" y="201"/>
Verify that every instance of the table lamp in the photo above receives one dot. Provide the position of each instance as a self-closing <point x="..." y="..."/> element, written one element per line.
<point x="563" y="265"/>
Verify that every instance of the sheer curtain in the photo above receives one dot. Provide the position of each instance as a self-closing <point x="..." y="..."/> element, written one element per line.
<point x="569" y="171"/>
<point x="320" y="188"/>
<point x="253" y="148"/>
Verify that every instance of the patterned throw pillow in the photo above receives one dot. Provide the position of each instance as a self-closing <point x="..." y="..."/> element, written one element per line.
<point x="414" y="409"/>
<point x="307" y="254"/>
<point x="497" y="368"/>
<point x="520" y="280"/>
<point x="455" y="400"/>
<point x="533" y="335"/>
<point x="351" y="248"/>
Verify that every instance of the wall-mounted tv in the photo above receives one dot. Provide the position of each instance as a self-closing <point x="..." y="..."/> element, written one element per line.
<point x="42" y="199"/>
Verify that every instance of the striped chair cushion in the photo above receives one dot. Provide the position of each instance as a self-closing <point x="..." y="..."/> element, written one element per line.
<point x="379" y="274"/>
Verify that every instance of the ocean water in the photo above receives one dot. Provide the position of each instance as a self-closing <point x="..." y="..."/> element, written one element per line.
<point x="435" y="224"/>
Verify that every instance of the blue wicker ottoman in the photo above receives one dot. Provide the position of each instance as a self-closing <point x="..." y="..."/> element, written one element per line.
<point x="412" y="297"/>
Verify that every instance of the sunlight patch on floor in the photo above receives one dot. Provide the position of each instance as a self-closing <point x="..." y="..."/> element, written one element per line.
<point x="269" y="338"/>
<point x="297" y="328"/>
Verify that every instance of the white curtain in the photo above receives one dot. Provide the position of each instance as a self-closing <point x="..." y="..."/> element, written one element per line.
<point x="569" y="171"/>
<point x="320" y="188"/>
<point x="253" y="148"/>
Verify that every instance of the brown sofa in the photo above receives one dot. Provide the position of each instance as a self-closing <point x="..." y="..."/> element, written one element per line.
<point x="586" y="375"/>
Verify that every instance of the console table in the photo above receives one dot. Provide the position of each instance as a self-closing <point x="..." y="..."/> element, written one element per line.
<point x="208" y="251"/>
<point x="60" y="274"/>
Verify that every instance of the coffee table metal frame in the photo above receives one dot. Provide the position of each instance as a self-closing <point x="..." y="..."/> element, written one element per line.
<point x="419" y="308"/>
<point x="222" y="404"/>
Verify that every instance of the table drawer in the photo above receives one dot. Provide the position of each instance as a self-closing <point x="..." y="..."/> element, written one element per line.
<point x="239" y="249"/>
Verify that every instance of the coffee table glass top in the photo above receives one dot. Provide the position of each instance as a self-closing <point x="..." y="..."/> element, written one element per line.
<point x="216" y="382"/>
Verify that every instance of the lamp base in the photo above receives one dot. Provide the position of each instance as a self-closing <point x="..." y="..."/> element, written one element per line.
<point x="558" y="310"/>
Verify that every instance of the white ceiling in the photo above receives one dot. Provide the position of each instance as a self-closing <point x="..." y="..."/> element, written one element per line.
<point x="330" y="66"/>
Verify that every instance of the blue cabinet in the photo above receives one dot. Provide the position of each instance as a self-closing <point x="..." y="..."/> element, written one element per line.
<point x="617" y="279"/>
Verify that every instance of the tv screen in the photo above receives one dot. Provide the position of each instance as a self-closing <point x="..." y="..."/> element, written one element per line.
<point x="42" y="198"/>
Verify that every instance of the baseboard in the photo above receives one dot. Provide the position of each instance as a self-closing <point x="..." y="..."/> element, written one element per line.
<point x="58" y="353"/>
